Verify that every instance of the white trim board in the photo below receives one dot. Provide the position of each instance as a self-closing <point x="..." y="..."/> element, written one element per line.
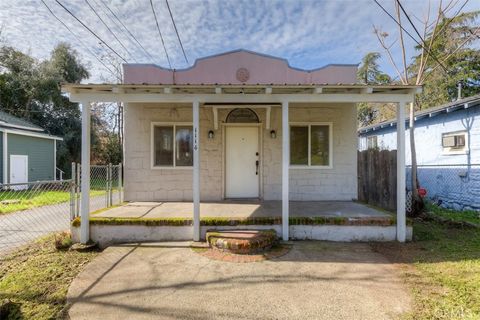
<point x="5" y="157"/>
<point x="31" y="134"/>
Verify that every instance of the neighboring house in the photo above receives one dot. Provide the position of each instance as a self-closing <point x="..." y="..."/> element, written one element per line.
<point x="27" y="153"/>
<point x="447" y="140"/>
<point x="238" y="125"/>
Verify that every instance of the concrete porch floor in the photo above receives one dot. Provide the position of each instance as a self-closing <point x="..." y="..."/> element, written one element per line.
<point x="243" y="209"/>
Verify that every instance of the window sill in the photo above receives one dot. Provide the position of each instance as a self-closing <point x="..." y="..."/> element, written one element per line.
<point x="171" y="168"/>
<point x="310" y="167"/>
<point x="455" y="153"/>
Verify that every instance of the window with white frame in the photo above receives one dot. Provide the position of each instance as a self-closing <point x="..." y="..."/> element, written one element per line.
<point x="172" y="145"/>
<point x="311" y="145"/>
<point x="454" y="142"/>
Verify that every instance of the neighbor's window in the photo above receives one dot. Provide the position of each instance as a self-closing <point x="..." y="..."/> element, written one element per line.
<point x="172" y="146"/>
<point x="454" y="142"/>
<point x="310" y="145"/>
<point x="372" y="142"/>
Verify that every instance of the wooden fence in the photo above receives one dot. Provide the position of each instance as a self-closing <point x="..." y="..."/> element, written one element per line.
<point x="377" y="178"/>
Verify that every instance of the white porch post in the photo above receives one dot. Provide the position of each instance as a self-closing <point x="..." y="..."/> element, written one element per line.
<point x="285" y="169"/>
<point x="85" y="185"/>
<point x="401" y="218"/>
<point x="196" y="171"/>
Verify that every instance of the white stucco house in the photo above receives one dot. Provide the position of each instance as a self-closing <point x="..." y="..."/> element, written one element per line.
<point x="240" y="125"/>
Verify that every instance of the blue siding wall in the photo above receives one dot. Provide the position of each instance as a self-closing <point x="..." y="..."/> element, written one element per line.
<point x="428" y="137"/>
<point x="451" y="179"/>
<point x="40" y="152"/>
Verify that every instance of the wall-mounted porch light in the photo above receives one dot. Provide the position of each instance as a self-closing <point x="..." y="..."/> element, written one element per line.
<point x="273" y="134"/>
<point x="211" y="134"/>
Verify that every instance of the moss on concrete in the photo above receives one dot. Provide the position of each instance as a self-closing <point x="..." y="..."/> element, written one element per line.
<point x="224" y="221"/>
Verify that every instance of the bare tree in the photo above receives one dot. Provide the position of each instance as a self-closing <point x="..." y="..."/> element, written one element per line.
<point x="417" y="75"/>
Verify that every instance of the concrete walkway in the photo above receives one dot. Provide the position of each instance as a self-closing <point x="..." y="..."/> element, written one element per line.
<point x="315" y="280"/>
<point x="21" y="227"/>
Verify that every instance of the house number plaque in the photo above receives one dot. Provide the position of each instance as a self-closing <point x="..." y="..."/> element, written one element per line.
<point x="195" y="141"/>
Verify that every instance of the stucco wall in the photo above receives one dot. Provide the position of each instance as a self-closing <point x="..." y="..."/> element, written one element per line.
<point x="142" y="183"/>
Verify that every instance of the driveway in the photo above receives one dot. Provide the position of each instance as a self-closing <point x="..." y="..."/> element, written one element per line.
<point x="315" y="280"/>
<point x="21" y="227"/>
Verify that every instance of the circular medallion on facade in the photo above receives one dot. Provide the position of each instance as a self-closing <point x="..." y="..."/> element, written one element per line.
<point x="243" y="74"/>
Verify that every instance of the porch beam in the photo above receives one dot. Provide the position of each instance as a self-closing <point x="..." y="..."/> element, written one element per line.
<point x="241" y="98"/>
<point x="85" y="178"/>
<point x="285" y="169"/>
<point x="401" y="183"/>
<point x="196" y="171"/>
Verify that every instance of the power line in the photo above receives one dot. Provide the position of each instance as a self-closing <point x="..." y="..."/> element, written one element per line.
<point x="408" y="33"/>
<point x="115" y="24"/>
<point x="110" y="30"/>
<point x="125" y="27"/>
<point x="78" y="39"/>
<point x="90" y="30"/>
<point x="176" y="31"/>
<point x="418" y="33"/>
<point x="160" y="33"/>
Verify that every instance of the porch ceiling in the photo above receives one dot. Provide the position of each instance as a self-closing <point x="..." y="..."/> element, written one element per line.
<point x="240" y="93"/>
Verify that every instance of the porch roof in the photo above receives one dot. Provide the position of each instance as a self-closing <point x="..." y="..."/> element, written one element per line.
<point x="240" y="93"/>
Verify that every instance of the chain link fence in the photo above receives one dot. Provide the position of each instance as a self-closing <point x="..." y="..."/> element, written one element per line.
<point x="453" y="186"/>
<point x="105" y="187"/>
<point x="34" y="209"/>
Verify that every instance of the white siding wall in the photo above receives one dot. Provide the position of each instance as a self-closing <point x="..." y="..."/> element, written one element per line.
<point x="145" y="184"/>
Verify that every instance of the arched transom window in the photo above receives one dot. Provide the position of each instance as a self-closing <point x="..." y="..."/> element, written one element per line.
<point x="242" y="115"/>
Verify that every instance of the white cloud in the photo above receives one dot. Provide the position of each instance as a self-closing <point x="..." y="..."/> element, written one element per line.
<point x="307" y="33"/>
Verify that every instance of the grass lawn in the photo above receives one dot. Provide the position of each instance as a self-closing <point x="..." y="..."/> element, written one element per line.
<point x="28" y="199"/>
<point x="442" y="268"/>
<point x="37" y="278"/>
<point x="468" y="215"/>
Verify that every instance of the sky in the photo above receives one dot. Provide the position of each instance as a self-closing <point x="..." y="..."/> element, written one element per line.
<point x="309" y="34"/>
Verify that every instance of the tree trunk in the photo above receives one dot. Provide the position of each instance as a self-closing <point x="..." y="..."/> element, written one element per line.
<point x="417" y="201"/>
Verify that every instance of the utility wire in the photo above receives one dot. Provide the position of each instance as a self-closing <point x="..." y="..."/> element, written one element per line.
<point x="78" y="39"/>
<point x="413" y="38"/>
<point x="90" y="30"/>
<point x="160" y="33"/>
<point x="125" y="27"/>
<point x="418" y="33"/>
<point x="115" y="24"/>
<point x="176" y="31"/>
<point x="110" y="30"/>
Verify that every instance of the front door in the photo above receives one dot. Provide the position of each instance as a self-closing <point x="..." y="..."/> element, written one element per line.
<point x="241" y="162"/>
<point x="18" y="171"/>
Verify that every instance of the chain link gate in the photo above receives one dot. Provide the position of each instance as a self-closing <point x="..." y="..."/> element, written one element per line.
<point x="106" y="187"/>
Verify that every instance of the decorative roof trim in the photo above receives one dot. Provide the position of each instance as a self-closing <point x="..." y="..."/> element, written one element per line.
<point x="242" y="50"/>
